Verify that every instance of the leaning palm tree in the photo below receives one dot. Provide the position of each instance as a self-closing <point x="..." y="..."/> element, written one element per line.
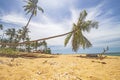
<point x="32" y="7"/>
<point x="78" y="39"/>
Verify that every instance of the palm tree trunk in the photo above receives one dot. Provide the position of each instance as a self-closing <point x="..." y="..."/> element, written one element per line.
<point x="53" y="36"/>
<point x="29" y="20"/>
<point x="45" y="38"/>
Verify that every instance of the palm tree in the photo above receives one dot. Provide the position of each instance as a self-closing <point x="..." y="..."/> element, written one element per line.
<point x="11" y="34"/>
<point x="4" y="41"/>
<point x="35" y="45"/>
<point x="44" y="44"/>
<point x="32" y="7"/>
<point x="1" y="27"/>
<point x="24" y="33"/>
<point x="28" y="47"/>
<point x="78" y="39"/>
<point x="19" y="32"/>
<point x="12" y="37"/>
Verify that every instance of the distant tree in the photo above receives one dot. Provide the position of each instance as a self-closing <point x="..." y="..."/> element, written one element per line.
<point x="24" y="33"/>
<point x="44" y="44"/>
<point x="35" y="45"/>
<point x="104" y="51"/>
<point x="48" y="51"/>
<point x="28" y="45"/>
<point x="1" y="27"/>
<point x="11" y="33"/>
<point x="19" y="33"/>
<point x="78" y="39"/>
<point x="12" y="37"/>
<point x="2" y="35"/>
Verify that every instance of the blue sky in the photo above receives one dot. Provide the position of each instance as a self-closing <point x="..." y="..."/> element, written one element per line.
<point x="60" y="15"/>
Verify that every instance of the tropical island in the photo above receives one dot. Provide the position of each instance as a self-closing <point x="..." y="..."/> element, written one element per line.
<point x="23" y="57"/>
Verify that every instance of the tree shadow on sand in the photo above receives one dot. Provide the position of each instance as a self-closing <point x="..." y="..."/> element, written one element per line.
<point x="92" y="57"/>
<point x="36" y="55"/>
<point x="30" y="56"/>
<point x="96" y="57"/>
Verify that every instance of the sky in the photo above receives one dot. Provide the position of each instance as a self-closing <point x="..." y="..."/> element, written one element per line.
<point x="58" y="17"/>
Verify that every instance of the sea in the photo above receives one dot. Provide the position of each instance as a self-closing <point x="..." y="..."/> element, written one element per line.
<point x="109" y="53"/>
<point x="113" y="54"/>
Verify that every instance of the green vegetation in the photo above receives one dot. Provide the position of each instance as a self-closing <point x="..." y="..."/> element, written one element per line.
<point x="103" y="53"/>
<point x="8" y="52"/>
<point x="10" y="39"/>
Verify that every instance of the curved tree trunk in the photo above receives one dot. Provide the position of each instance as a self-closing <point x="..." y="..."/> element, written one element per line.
<point x="50" y="37"/>
<point x="41" y="38"/>
<point x="29" y="20"/>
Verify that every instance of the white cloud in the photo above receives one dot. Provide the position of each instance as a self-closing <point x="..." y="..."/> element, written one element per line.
<point x="40" y="29"/>
<point x="108" y="27"/>
<point x="53" y="4"/>
<point x="13" y="18"/>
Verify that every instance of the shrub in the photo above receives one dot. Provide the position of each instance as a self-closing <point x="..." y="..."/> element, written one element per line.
<point x="8" y="52"/>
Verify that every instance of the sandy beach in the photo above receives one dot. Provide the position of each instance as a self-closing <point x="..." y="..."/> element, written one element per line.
<point x="60" y="67"/>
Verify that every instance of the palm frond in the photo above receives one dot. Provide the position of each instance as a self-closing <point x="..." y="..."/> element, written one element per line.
<point x="31" y="7"/>
<point x="39" y="8"/>
<point x="87" y="43"/>
<point x="88" y="25"/>
<point x="75" y="44"/>
<point x="35" y="1"/>
<point x="83" y="15"/>
<point x="67" y="39"/>
<point x="35" y="12"/>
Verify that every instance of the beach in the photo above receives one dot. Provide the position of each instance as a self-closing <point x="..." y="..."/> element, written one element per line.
<point x="59" y="67"/>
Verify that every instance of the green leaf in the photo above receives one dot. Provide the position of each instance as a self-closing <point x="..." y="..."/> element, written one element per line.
<point x="67" y="39"/>
<point x="39" y="8"/>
